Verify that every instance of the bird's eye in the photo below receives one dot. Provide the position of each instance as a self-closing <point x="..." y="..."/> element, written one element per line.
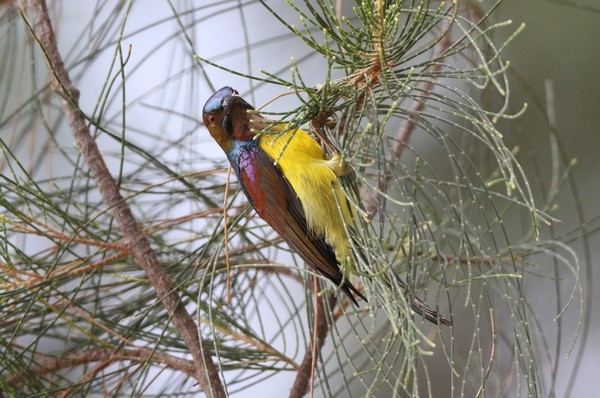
<point x="212" y="119"/>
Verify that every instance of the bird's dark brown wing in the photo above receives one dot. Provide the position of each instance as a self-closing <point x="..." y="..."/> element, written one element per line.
<point x="275" y="201"/>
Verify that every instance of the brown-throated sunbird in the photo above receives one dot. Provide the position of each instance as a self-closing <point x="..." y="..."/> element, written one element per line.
<point x="295" y="196"/>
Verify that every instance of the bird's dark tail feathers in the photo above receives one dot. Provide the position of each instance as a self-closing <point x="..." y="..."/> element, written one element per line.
<point x="348" y="288"/>
<point x="424" y="310"/>
<point x="417" y="304"/>
<point x="429" y="313"/>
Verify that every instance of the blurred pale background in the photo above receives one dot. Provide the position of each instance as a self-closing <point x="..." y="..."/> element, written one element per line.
<point x="559" y="46"/>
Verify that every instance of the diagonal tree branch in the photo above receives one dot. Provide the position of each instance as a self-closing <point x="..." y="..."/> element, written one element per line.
<point x="205" y="370"/>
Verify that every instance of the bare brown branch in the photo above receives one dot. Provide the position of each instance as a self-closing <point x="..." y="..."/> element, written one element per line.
<point x="206" y="372"/>
<point x="305" y="371"/>
<point x="105" y="357"/>
<point x="102" y="356"/>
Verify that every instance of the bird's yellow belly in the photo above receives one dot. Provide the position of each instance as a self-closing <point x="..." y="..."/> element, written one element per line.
<point x="301" y="161"/>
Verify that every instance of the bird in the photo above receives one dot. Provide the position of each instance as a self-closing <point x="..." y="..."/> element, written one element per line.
<point x="292" y="186"/>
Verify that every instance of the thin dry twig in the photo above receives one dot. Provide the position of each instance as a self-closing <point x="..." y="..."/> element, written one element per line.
<point x="139" y="246"/>
<point x="70" y="269"/>
<point x="74" y="268"/>
<point x="89" y="375"/>
<point x="52" y="233"/>
<point x="169" y="223"/>
<point x="305" y="372"/>
<point x="259" y="345"/>
<point x="105" y="357"/>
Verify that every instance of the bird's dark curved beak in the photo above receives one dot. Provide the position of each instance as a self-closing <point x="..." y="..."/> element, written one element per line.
<point x="232" y="101"/>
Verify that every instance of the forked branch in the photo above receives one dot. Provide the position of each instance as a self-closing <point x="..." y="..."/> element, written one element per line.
<point x="205" y="370"/>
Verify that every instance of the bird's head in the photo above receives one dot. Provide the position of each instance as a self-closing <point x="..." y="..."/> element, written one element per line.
<point x="226" y="116"/>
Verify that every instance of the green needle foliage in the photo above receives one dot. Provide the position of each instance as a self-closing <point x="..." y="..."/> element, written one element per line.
<point x="413" y="94"/>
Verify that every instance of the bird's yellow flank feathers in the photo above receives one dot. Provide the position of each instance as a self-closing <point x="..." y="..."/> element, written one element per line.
<point x="314" y="179"/>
